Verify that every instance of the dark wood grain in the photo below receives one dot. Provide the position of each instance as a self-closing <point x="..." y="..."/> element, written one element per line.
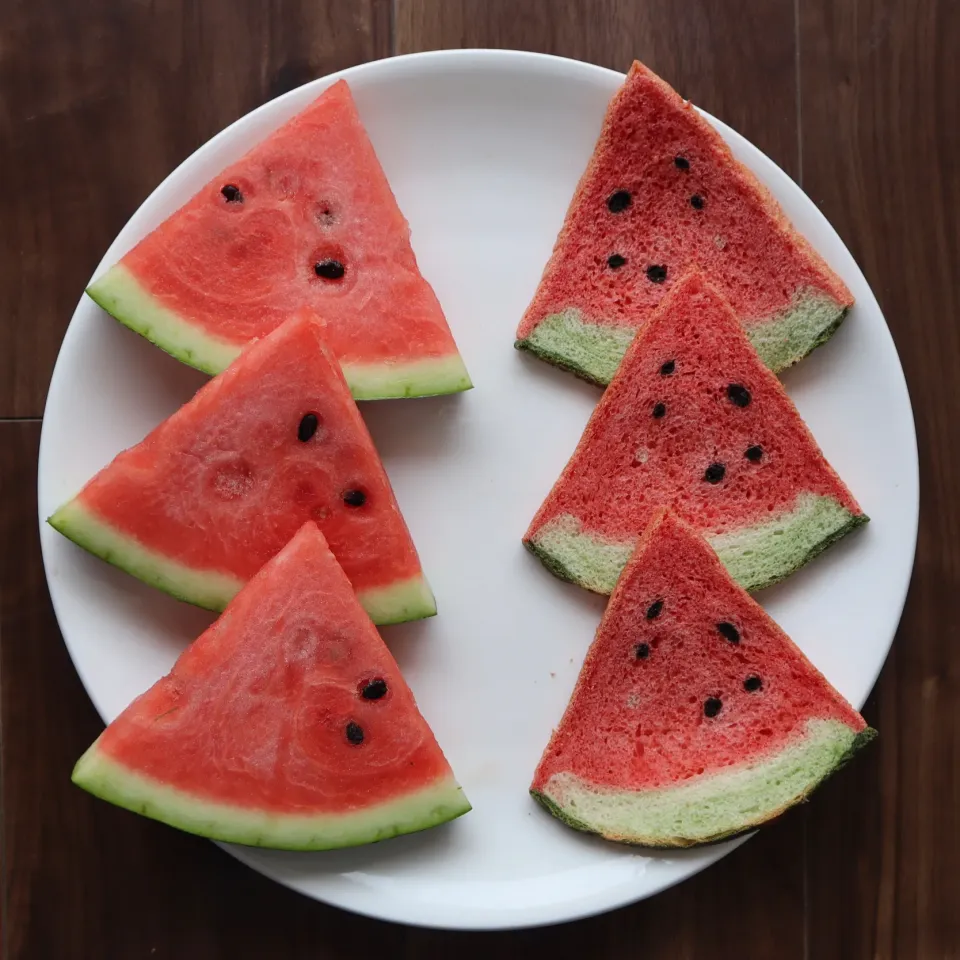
<point x="857" y="98"/>
<point x="746" y="75"/>
<point x="101" y="100"/>
<point x="881" y="155"/>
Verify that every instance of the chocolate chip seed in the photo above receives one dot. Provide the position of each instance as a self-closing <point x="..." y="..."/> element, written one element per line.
<point x="712" y="706"/>
<point x="354" y="733"/>
<point x="696" y="201"/>
<point x="752" y="684"/>
<point x="682" y="163"/>
<point x="656" y="273"/>
<point x="619" y="201"/>
<point x="329" y="269"/>
<point x="754" y="453"/>
<point x="738" y="395"/>
<point x="660" y="410"/>
<point x="728" y="631"/>
<point x="231" y="193"/>
<point x="354" y="498"/>
<point x="714" y="473"/>
<point x="615" y="261"/>
<point x="374" y="690"/>
<point x="308" y="427"/>
<point x="667" y="369"/>
<point x="642" y="651"/>
<point x="655" y="609"/>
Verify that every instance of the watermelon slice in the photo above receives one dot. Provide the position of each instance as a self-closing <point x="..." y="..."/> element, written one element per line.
<point x="306" y="218"/>
<point x="662" y="192"/>
<point x="695" y="717"/>
<point x="287" y="724"/>
<point x="693" y="420"/>
<point x="216" y="490"/>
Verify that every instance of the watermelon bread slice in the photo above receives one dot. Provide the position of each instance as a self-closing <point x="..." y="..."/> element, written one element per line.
<point x="693" y="420"/>
<point x="662" y="192"/>
<point x="213" y="492"/>
<point x="305" y="219"/>
<point x="695" y="717"/>
<point x="286" y="724"/>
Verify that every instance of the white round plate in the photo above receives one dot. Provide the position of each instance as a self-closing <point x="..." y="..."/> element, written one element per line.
<point x="483" y="150"/>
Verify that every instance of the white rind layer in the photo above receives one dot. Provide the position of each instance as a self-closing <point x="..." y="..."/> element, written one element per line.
<point x="428" y="807"/>
<point x="410" y="599"/>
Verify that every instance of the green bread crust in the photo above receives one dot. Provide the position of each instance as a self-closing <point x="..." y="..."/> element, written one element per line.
<point x="756" y="556"/>
<point x="590" y="351"/>
<point x="712" y="807"/>
<point x="409" y="599"/>
<point x="809" y="323"/>
<point x="120" y="293"/>
<point x="104" y="777"/>
<point x="593" y="351"/>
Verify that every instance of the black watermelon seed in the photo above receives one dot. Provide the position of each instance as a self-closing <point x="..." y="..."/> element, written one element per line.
<point x="642" y="651"/>
<point x="738" y="395"/>
<point x="308" y="427"/>
<point x="655" y="609"/>
<point x="374" y="690"/>
<point x="754" y="453"/>
<point x="712" y="706"/>
<point x="656" y="273"/>
<point x="752" y="684"/>
<point x="354" y="498"/>
<point x="231" y="193"/>
<point x="696" y="201"/>
<point x="667" y="369"/>
<point x="329" y="269"/>
<point x="660" y="410"/>
<point x="714" y="473"/>
<point x="619" y="201"/>
<point x="615" y="261"/>
<point x="354" y="733"/>
<point x="728" y="631"/>
<point x="682" y="163"/>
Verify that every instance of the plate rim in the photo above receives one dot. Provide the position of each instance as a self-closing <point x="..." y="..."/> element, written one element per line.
<point x="482" y="58"/>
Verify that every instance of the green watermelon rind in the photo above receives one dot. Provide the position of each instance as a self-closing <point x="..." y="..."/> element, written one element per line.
<point x="593" y="351"/>
<point x="120" y="293"/>
<point x="104" y="777"/>
<point x="757" y="556"/>
<point x="714" y="807"/>
<point x="408" y="599"/>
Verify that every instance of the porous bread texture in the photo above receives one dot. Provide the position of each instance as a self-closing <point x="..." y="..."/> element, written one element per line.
<point x="652" y="436"/>
<point x="593" y="351"/>
<point x="638" y="757"/>
<point x="585" y="312"/>
<point x="756" y="556"/>
<point x="712" y="807"/>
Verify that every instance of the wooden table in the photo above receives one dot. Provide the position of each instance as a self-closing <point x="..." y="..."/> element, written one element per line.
<point x="859" y="100"/>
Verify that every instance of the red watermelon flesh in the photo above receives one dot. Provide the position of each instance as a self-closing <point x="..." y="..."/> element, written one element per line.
<point x="286" y="724"/>
<point x="661" y="193"/>
<point x="694" y="717"/>
<point x="305" y="219"/>
<point x="216" y="490"/>
<point x="693" y="420"/>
